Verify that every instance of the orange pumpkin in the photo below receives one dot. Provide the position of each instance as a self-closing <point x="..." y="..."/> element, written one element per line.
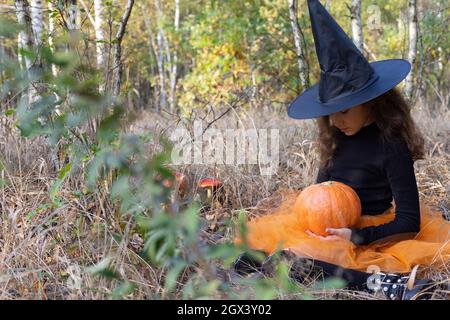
<point x="330" y="204"/>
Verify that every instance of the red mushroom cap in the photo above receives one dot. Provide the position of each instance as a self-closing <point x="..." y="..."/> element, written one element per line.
<point x="209" y="182"/>
<point x="181" y="178"/>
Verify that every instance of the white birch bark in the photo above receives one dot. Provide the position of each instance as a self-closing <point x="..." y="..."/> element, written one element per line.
<point x="51" y="31"/>
<point x="163" y="54"/>
<point x="37" y="20"/>
<point x="73" y="15"/>
<point x="162" y="76"/>
<point x="26" y="42"/>
<point x="299" y="47"/>
<point x="412" y="50"/>
<point x="153" y="47"/>
<point x="25" y="37"/>
<point x="173" y="73"/>
<point x="99" y="18"/>
<point x="357" y="31"/>
<point x="440" y="64"/>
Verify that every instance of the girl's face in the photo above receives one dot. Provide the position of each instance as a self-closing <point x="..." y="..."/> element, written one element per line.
<point x="350" y="121"/>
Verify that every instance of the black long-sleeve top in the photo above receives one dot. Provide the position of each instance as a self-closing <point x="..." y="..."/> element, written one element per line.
<point x="378" y="171"/>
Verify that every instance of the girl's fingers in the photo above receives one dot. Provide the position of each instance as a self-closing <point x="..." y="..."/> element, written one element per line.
<point x="313" y="234"/>
<point x="332" y="237"/>
<point x="336" y="232"/>
<point x="343" y="233"/>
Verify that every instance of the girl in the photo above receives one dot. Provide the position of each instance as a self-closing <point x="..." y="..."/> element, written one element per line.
<point x="367" y="140"/>
<point x="378" y="144"/>
<point x="370" y="147"/>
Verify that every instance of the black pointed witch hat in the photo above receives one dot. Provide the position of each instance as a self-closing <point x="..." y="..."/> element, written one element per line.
<point x="347" y="79"/>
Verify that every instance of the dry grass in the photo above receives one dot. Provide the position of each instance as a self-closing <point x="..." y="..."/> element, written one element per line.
<point x="44" y="250"/>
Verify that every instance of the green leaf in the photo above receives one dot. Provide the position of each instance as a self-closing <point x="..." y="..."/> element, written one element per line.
<point x="123" y="289"/>
<point x="155" y="246"/>
<point x="7" y="28"/>
<point x="191" y="220"/>
<point x="226" y="251"/>
<point x="120" y="187"/>
<point x="38" y="210"/>
<point x="109" y="125"/>
<point x="208" y="289"/>
<point x="93" y="170"/>
<point x="265" y="289"/>
<point x="2" y="181"/>
<point x="10" y="112"/>
<point x="63" y="173"/>
<point x="103" y="269"/>
<point x="330" y="283"/>
<point x="172" y="276"/>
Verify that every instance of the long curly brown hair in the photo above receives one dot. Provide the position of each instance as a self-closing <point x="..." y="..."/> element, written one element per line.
<point x="392" y="115"/>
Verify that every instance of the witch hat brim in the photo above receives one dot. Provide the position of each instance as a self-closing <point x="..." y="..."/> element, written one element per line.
<point x="388" y="73"/>
<point x="347" y="79"/>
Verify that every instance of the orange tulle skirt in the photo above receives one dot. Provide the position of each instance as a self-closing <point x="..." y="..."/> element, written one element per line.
<point x="278" y="229"/>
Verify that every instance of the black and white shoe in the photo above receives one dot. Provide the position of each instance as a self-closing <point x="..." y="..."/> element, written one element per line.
<point x="398" y="287"/>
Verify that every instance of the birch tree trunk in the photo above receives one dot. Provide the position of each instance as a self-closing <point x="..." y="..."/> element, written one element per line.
<point x="412" y="50"/>
<point x="37" y="20"/>
<point x="73" y="15"/>
<point x="328" y="5"/>
<point x="73" y="26"/>
<point x="51" y="30"/>
<point x="162" y="76"/>
<point x="153" y="47"/>
<point x="357" y="31"/>
<point x="71" y="11"/>
<point x="26" y="42"/>
<point x="299" y="45"/>
<point x="440" y="65"/>
<point x="118" y="67"/>
<point x="99" y="18"/>
<point x="25" y="37"/>
<point x="163" y="48"/>
<point x="173" y="73"/>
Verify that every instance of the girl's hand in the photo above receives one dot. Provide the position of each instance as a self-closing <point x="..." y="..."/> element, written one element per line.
<point x="341" y="233"/>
